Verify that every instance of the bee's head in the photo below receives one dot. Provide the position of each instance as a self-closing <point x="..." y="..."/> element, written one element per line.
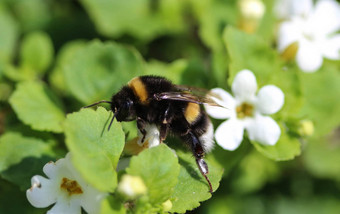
<point x="123" y="105"/>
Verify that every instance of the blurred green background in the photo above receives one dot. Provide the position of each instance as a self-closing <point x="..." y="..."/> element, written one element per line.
<point x="184" y="40"/>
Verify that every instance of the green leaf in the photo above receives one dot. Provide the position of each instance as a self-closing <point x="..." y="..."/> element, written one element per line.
<point x="290" y="83"/>
<point x="322" y="156"/>
<point x="37" y="107"/>
<point x="36" y="51"/>
<point x="213" y="16"/>
<point x="111" y="205"/>
<point x="250" y="52"/>
<point x="32" y="14"/>
<point x="253" y="172"/>
<point x="287" y="148"/>
<point x="22" y="157"/>
<point x="95" y="150"/>
<point x="100" y="69"/>
<point x="192" y="188"/>
<point x="8" y="34"/>
<point x="66" y="53"/>
<point x="159" y="169"/>
<point x="321" y="93"/>
<point x="145" y="19"/>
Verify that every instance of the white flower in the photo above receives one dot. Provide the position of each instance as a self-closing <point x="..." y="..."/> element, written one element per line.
<point x="315" y="34"/>
<point x="65" y="188"/>
<point x="247" y="111"/>
<point x="285" y="9"/>
<point x="151" y="139"/>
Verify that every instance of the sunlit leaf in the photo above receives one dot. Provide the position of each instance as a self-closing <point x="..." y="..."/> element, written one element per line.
<point x="37" y="106"/>
<point x="99" y="69"/>
<point x="8" y="34"/>
<point x="36" y="52"/>
<point x="145" y="19"/>
<point x="192" y="188"/>
<point x="95" y="150"/>
<point x="159" y="169"/>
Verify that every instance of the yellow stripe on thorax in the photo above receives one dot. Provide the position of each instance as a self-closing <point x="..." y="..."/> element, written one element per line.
<point x="139" y="89"/>
<point x="192" y="111"/>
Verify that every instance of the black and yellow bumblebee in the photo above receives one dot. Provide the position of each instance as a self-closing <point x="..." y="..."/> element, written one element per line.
<point x="172" y="108"/>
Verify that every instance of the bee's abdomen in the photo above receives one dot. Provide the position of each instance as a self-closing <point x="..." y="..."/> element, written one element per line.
<point x="192" y="112"/>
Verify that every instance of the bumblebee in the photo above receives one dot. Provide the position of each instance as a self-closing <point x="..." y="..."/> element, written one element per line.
<point x="172" y="108"/>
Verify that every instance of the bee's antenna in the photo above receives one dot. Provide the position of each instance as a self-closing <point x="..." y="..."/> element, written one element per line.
<point x="114" y="115"/>
<point x="102" y="101"/>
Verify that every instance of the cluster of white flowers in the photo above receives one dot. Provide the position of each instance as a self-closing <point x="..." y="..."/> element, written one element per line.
<point x="65" y="188"/>
<point x="311" y="30"/>
<point x="248" y="111"/>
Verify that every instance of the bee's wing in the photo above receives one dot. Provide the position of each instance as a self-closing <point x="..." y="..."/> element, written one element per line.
<point x="190" y="94"/>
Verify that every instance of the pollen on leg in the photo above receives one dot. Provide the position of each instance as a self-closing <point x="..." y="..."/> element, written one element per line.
<point x="71" y="187"/>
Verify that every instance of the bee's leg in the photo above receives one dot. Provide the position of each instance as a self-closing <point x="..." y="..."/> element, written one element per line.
<point x="198" y="152"/>
<point x="166" y="120"/>
<point x="163" y="132"/>
<point x="141" y="126"/>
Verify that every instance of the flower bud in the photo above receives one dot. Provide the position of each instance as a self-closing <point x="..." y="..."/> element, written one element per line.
<point x="131" y="186"/>
<point x="306" y="128"/>
<point x="251" y="13"/>
<point x="167" y="205"/>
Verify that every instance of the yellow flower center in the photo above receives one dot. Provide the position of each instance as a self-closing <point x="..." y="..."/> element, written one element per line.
<point x="71" y="187"/>
<point x="244" y="110"/>
<point x="290" y="52"/>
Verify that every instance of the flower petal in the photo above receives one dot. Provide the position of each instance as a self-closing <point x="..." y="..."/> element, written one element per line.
<point x="326" y="17"/>
<point x="285" y="9"/>
<point x="289" y="32"/>
<point x="301" y="7"/>
<point x="54" y="169"/>
<point x="229" y="134"/>
<point x="270" y="99"/>
<point x="264" y="130"/>
<point x="244" y="85"/>
<point x="42" y="193"/>
<point x="308" y="56"/>
<point x="66" y="207"/>
<point x="225" y="100"/>
<point x="330" y="47"/>
<point x="152" y="136"/>
<point x="91" y="200"/>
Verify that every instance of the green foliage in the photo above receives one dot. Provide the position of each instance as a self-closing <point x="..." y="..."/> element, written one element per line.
<point x="37" y="107"/>
<point x="95" y="150"/>
<point x="99" y="64"/>
<point x="57" y="56"/>
<point x="286" y="148"/>
<point x="8" y="35"/>
<point x="36" y="51"/>
<point x="160" y="179"/>
<point x="192" y="188"/>
<point x="324" y="112"/>
<point x="145" y="20"/>
<point x="22" y="157"/>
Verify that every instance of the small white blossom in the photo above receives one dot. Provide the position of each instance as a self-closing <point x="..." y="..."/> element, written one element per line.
<point x="152" y="137"/>
<point x="285" y="9"/>
<point x="248" y="111"/>
<point x="314" y="32"/>
<point x="65" y="188"/>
